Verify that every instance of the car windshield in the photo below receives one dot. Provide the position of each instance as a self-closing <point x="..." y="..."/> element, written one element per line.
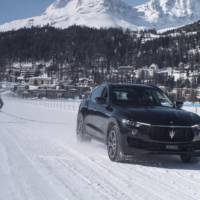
<point x="140" y="96"/>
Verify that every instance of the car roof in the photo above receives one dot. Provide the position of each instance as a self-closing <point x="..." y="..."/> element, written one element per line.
<point x="132" y="85"/>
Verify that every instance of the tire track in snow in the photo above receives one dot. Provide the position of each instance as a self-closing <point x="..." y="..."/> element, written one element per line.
<point x="56" y="178"/>
<point x="93" y="184"/>
<point x="59" y="179"/>
<point x="34" y="120"/>
<point x="151" y="182"/>
<point x="173" y="186"/>
<point x="100" y="183"/>
<point x="68" y="178"/>
<point x="86" y="165"/>
<point x="27" y="179"/>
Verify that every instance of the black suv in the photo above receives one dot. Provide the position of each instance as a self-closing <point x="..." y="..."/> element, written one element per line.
<point x="138" y="118"/>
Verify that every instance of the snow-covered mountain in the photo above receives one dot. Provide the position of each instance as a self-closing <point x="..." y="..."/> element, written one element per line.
<point x="165" y="14"/>
<point x="159" y="14"/>
<point x="92" y="13"/>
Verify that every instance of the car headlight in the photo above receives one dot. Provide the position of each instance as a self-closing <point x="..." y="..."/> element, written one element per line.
<point x="134" y="123"/>
<point x="196" y="132"/>
<point x="197" y="127"/>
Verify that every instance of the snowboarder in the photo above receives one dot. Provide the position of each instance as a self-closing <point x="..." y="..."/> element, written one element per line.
<point x="1" y="103"/>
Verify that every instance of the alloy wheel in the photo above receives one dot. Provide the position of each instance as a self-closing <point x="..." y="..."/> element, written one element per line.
<point x="80" y="126"/>
<point x="80" y="130"/>
<point x="112" y="144"/>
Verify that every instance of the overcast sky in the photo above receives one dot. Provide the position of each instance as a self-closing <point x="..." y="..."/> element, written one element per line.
<point x="18" y="9"/>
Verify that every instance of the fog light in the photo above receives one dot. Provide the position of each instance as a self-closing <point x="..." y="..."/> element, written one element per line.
<point x="197" y="137"/>
<point x="134" y="132"/>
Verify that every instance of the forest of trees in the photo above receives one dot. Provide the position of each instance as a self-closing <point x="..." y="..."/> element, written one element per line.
<point x="82" y="47"/>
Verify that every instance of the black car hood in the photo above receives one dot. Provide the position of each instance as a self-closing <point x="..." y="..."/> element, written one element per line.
<point x="158" y="115"/>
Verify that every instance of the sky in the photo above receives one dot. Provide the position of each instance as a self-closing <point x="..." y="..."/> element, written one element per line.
<point x="19" y="9"/>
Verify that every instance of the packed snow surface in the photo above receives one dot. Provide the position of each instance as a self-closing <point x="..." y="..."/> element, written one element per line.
<point x="41" y="160"/>
<point x="159" y="14"/>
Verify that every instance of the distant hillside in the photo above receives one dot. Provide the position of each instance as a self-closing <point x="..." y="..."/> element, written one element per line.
<point x="84" y="47"/>
<point x="194" y="27"/>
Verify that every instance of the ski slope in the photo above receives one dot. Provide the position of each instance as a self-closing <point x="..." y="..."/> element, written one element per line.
<point x="41" y="160"/>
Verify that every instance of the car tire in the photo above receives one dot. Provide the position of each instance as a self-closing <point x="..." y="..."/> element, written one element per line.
<point x="80" y="130"/>
<point x="114" y="149"/>
<point x="186" y="158"/>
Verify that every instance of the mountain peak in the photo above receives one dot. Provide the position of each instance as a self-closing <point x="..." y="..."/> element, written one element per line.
<point x="60" y="3"/>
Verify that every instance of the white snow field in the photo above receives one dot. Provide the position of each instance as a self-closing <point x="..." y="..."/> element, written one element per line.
<point x="41" y="160"/>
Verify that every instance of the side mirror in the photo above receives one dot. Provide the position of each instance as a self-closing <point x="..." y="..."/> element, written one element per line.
<point x="101" y="100"/>
<point x="179" y="104"/>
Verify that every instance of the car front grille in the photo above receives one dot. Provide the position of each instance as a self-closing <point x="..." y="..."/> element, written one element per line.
<point x="170" y="134"/>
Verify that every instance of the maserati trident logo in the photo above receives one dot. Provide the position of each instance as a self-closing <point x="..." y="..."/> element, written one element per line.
<point x="172" y="134"/>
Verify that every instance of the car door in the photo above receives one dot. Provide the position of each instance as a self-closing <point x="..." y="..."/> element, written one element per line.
<point x="102" y="115"/>
<point x="90" y="118"/>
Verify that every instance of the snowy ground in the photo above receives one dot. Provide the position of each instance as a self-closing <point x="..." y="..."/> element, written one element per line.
<point x="41" y="160"/>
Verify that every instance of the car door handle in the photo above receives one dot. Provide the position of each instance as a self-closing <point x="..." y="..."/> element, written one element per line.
<point x="94" y="109"/>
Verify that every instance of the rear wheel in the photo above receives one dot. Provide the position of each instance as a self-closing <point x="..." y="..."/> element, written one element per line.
<point x="114" y="149"/>
<point x="80" y="130"/>
<point x="186" y="158"/>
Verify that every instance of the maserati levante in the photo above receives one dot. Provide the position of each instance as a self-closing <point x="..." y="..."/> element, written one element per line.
<point x="132" y="119"/>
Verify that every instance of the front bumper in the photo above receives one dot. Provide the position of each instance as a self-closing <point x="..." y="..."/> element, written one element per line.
<point x="131" y="145"/>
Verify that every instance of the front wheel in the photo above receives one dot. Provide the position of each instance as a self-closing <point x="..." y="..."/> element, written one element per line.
<point x="186" y="158"/>
<point x="114" y="149"/>
<point x="80" y="130"/>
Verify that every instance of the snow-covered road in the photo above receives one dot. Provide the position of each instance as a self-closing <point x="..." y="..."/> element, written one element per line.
<point x="41" y="160"/>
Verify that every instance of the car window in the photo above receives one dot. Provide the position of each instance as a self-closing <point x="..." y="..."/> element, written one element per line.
<point x="139" y="96"/>
<point x="97" y="92"/>
<point x="105" y="93"/>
